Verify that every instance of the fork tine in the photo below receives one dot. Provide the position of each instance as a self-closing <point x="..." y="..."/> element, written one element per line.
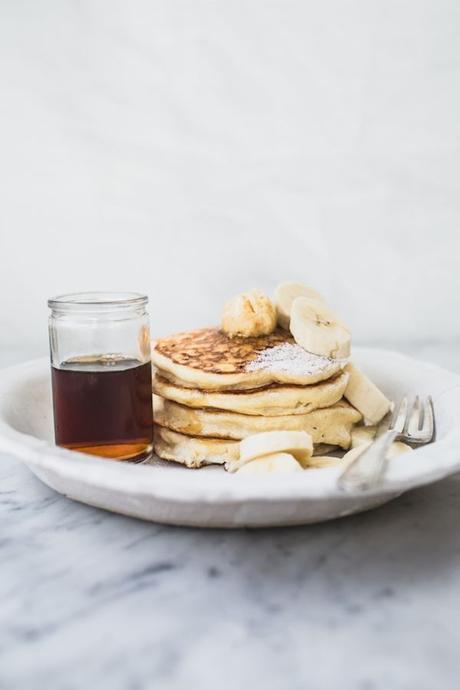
<point x="398" y="419"/>
<point x="421" y="420"/>
<point x="412" y="424"/>
<point x="428" y="417"/>
<point x="394" y="414"/>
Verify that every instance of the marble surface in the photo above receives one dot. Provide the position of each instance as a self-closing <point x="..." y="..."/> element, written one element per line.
<point x="94" y="600"/>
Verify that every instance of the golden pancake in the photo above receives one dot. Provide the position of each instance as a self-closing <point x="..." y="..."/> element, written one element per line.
<point x="332" y="425"/>
<point x="273" y="400"/>
<point x="195" y="451"/>
<point x="210" y="360"/>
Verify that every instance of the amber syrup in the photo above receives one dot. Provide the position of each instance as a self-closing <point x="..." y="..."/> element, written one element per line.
<point x="103" y="406"/>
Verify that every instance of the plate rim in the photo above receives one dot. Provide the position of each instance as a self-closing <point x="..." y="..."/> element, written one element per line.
<point x="141" y="480"/>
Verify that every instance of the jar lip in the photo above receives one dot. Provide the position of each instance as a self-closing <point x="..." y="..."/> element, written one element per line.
<point x="97" y="300"/>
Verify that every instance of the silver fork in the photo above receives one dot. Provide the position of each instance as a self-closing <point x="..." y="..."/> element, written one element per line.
<point x="413" y="424"/>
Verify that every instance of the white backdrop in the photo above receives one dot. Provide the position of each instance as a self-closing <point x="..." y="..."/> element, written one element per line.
<point x="193" y="149"/>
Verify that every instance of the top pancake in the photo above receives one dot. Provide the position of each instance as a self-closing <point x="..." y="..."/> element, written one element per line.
<point x="210" y="360"/>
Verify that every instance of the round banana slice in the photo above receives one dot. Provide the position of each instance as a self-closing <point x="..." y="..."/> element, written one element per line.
<point x="396" y="448"/>
<point x="362" y="434"/>
<point x="297" y="443"/>
<point x="316" y="328"/>
<point x="365" y="396"/>
<point x="285" y="294"/>
<point x="320" y="461"/>
<point x="279" y="463"/>
<point x="355" y="453"/>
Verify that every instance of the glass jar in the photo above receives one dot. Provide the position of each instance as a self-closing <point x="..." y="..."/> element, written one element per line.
<point x="101" y="374"/>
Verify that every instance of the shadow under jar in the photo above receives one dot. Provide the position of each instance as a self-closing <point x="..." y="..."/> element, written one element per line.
<point x="101" y="374"/>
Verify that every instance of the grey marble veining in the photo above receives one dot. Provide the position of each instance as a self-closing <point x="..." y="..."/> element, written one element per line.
<point x="95" y="600"/>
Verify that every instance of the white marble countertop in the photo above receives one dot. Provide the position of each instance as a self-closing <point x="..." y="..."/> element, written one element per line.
<point x="94" y="600"/>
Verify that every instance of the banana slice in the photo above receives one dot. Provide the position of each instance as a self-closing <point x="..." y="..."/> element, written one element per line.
<point x="249" y="314"/>
<point x="324" y="461"/>
<point x="396" y="448"/>
<point x="286" y="293"/>
<point x="365" y="396"/>
<point x="296" y="443"/>
<point x="362" y="434"/>
<point x="279" y="463"/>
<point x="355" y="452"/>
<point x="316" y="328"/>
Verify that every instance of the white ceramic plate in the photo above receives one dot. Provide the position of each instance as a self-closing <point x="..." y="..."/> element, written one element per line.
<point x="210" y="497"/>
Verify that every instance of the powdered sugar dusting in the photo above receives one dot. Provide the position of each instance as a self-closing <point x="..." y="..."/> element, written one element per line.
<point x="290" y="358"/>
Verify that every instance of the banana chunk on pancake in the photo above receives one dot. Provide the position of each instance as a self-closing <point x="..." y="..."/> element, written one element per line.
<point x="331" y="425"/>
<point x="273" y="400"/>
<point x="196" y="451"/>
<point x="210" y="360"/>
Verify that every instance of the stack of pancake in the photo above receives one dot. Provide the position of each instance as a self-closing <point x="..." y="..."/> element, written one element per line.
<point x="211" y="391"/>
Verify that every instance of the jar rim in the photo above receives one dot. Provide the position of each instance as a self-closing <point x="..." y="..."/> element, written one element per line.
<point x="96" y="300"/>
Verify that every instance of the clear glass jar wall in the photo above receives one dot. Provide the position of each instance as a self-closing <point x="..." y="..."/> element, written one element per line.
<point x="101" y="374"/>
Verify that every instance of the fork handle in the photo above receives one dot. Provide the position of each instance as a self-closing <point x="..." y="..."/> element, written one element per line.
<point x="367" y="471"/>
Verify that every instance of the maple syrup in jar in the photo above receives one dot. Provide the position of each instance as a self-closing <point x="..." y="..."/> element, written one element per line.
<point x="101" y="374"/>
